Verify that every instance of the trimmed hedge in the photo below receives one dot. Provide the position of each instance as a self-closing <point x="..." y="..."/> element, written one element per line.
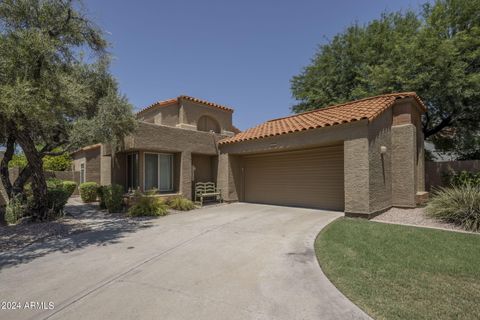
<point x="112" y="197"/>
<point x="70" y="186"/>
<point x="88" y="191"/>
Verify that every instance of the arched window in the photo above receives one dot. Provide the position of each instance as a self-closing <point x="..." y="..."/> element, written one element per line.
<point x="206" y="123"/>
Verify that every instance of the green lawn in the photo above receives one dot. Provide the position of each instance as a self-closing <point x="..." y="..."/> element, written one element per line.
<point x="398" y="272"/>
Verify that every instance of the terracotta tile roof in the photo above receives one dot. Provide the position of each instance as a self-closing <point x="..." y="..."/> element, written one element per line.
<point x="177" y="99"/>
<point x="368" y="108"/>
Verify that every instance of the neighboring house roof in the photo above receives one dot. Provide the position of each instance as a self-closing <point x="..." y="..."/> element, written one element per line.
<point x="368" y="108"/>
<point x="177" y="99"/>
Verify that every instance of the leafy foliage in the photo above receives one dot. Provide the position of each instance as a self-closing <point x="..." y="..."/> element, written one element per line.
<point x="435" y="54"/>
<point x="14" y="210"/>
<point x="57" y="198"/>
<point x="180" y="203"/>
<point x="112" y="196"/>
<point x="61" y="162"/>
<point x="148" y="206"/>
<point x="69" y="186"/>
<point x="461" y="178"/>
<point x="50" y="95"/>
<point x="88" y="191"/>
<point x="458" y="204"/>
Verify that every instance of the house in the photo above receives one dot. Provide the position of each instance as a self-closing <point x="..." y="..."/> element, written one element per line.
<point x="361" y="157"/>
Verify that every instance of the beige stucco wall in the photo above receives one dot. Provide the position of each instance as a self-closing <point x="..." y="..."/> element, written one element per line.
<point x="92" y="159"/>
<point x="163" y="138"/>
<point x="380" y="168"/>
<point x="186" y="114"/>
<point x="190" y="112"/>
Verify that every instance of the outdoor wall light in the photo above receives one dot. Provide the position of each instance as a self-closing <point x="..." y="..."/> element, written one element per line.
<point x="383" y="149"/>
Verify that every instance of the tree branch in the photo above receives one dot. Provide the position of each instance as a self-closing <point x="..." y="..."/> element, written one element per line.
<point x="446" y="122"/>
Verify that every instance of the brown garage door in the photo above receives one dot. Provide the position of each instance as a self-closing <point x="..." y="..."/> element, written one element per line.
<point x="307" y="178"/>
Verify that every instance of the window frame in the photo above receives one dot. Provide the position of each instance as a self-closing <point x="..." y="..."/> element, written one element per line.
<point x="127" y="178"/>
<point x="171" y="155"/>
<point x="83" y="168"/>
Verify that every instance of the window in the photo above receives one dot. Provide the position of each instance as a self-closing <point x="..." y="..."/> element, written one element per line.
<point x="132" y="171"/>
<point x="158" y="171"/>
<point x="206" y="123"/>
<point x="82" y="172"/>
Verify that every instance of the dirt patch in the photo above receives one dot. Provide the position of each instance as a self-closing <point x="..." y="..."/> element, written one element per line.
<point x="414" y="216"/>
<point x="26" y="233"/>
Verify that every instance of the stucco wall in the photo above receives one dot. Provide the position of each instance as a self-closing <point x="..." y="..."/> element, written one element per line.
<point x="191" y="112"/>
<point x="163" y="138"/>
<point x="380" y="170"/>
<point x="203" y="168"/>
<point x="403" y="165"/>
<point x="164" y="115"/>
<point x="91" y="157"/>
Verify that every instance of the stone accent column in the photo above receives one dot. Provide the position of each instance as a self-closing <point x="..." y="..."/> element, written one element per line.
<point x="404" y="140"/>
<point x="186" y="174"/>
<point x="356" y="164"/>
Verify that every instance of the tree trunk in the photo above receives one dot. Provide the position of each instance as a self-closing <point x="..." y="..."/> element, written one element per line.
<point x="22" y="178"/>
<point x="5" y="176"/>
<point x="39" y="185"/>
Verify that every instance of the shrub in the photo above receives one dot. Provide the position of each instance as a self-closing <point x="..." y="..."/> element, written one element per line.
<point x="14" y="210"/>
<point x="148" y="206"/>
<point x="461" y="178"/>
<point x="458" y="204"/>
<point x="88" y="191"/>
<point x="112" y="197"/>
<point x="69" y="186"/>
<point x="100" y="192"/>
<point x="54" y="183"/>
<point x="180" y="203"/>
<point x="57" y="198"/>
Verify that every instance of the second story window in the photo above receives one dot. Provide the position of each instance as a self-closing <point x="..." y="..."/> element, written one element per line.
<point x="206" y="123"/>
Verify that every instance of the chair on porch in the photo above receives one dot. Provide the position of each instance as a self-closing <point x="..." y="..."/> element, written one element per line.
<point x="206" y="190"/>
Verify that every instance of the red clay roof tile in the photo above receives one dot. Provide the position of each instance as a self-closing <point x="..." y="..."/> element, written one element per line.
<point x="368" y="108"/>
<point x="175" y="100"/>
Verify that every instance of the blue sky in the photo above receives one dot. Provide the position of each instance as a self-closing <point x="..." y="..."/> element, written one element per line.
<point x="238" y="53"/>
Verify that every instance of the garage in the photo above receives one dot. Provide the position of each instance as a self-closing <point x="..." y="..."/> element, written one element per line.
<point x="307" y="178"/>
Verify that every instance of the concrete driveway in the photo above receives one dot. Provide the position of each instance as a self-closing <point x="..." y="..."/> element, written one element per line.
<point x="238" y="261"/>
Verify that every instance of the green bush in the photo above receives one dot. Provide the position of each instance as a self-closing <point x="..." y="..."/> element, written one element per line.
<point x="180" y="203"/>
<point x="100" y="192"/>
<point x="50" y="163"/>
<point x="461" y="178"/>
<point x="88" y="191"/>
<point x="458" y="204"/>
<point x="148" y="206"/>
<point x="57" y="198"/>
<point x="112" y="197"/>
<point x="54" y="183"/>
<point x="14" y="210"/>
<point x="69" y="186"/>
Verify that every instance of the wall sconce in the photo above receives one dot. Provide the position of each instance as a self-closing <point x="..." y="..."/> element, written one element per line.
<point x="383" y="149"/>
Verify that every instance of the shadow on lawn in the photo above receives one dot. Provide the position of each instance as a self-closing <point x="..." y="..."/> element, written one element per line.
<point x="83" y="226"/>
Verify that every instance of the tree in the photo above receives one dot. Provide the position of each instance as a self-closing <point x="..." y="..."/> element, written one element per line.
<point x="60" y="162"/>
<point x="51" y="95"/>
<point x="436" y="54"/>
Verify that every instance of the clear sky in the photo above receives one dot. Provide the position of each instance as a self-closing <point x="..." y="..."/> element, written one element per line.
<point x="239" y="53"/>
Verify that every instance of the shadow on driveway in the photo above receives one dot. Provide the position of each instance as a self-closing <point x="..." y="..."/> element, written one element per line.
<point x="84" y="225"/>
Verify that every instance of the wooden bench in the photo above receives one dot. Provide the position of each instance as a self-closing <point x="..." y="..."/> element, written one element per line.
<point x="206" y="190"/>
